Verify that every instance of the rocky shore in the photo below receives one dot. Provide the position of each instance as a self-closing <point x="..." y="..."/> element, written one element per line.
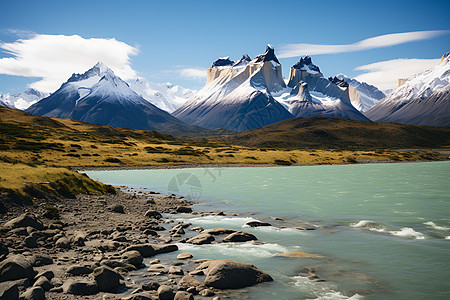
<point x="93" y="247"/>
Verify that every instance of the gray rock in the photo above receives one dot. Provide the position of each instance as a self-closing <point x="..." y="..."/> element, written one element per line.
<point x="44" y="283"/>
<point x="165" y="293"/>
<point x="117" y="209"/>
<point x="30" y="242"/>
<point x="229" y="274"/>
<point x="257" y="224"/>
<point x="24" y="221"/>
<point x="239" y="236"/>
<point x="77" y="270"/>
<point x="80" y="287"/>
<point x="39" y="260"/>
<point x="150" y="286"/>
<point x="133" y="257"/>
<point x="79" y="239"/>
<point x="201" y="239"/>
<point x="34" y="293"/>
<point x="184" y="209"/>
<point x="153" y="214"/>
<point x="63" y="243"/>
<point x="148" y="250"/>
<point x="47" y="274"/>
<point x="9" y="290"/>
<point x="188" y="281"/>
<point x="107" y="279"/>
<point x="184" y="255"/>
<point x="175" y="270"/>
<point x="117" y="264"/>
<point x="182" y="295"/>
<point x="16" y="267"/>
<point x="207" y="293"/>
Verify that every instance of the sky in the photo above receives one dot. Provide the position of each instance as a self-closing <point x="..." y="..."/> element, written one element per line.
<point x="43" y="42"/>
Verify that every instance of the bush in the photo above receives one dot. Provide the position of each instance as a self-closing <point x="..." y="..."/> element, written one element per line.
<point x="282" y="162"/>
<point x="113" y="160"/>
<point x="51" y="212"/>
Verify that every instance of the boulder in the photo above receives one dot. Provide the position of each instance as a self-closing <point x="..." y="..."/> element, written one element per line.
<point x="39" y="260"/>
<point x="79" y="239"/>
<point x="47" y="274"/>
<point x="148" y="250"/>
<point x="117" y="209"/>
<point x="153" y="214"/>
<point x="107" y="279"/>
<point x="175" y="270"/>
<point x="63" y="243"/>
<point x="218" y="231"/>
<point x="188" y="281"/>
<point x="9" y="290"/>
<point x="150" y="286"/>
<point x="184" y="209"/>
<point x="24" y="221"/>
<point x="229" y="274"/>
<point x="113" y="264"/>
<point x="33" y="293"/>
<point x="77" y="270"/>
<point x="16" y="267"/>
<point x="184" y="255"/>
<point x="30" y="242"/>
<point x="257" y="224"/>
<point x="239" y="236"/>
<point x="165" y="293"/>
<point x="80" y="287"/>
<point x="201" y="239"/>
<point x="182" y="295"/>
<point x="44" y="283"/>
<point x="133" y="257"/>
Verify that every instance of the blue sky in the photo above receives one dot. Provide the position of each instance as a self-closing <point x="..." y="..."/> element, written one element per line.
<point x="175" y="40"/>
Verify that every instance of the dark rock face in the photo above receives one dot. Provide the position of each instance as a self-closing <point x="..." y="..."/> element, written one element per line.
<point x="9" y="290"/>
<point x="306" y="61"/>
<point x="229" y="274"/>
<point x="268" y="55"/>
<point x="165" y="293"/>
<point x="257" y="224"/>
<point x="223" y="62"/>
<point x="107" y="279"/>
<point x="338" y="82"/>
<point x="34" y="293"/>
<point x="16" y="267"/>
<point x="153" y="214"/>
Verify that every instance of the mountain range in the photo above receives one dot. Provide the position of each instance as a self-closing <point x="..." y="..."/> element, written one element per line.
<point x="22" y="100"/>
<point x="423" y="99"/>
<point x="99" y="96"/>
<point x="240" y="95"/>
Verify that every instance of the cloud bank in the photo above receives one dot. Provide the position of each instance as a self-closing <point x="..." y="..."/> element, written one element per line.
<point x="387" y="40"/>
<point x="384" y="74"/>
<point x="54" y="58"/>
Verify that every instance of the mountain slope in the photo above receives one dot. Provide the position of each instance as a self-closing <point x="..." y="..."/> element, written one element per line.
<point x="165" y="96"/>
<point x="320" y="132"/>
<point x="369" y="95"/>
<point x="22" y="100"/>
<point x="98" y="96"/>
<point x="308" y="93"/>
<point x="421" y="100"/>
<point x="237" y="95"/>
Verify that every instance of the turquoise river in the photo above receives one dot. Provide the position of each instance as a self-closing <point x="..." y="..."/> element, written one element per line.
<point x="382" y="230"/>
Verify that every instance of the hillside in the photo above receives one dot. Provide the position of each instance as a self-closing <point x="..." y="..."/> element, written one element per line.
<point x="326" y="133"/>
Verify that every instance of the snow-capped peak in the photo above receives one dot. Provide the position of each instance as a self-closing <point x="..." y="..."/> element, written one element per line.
<point x="269" y="55"/>
<point x="305" y="64"/>
<point x="243" y="61"/>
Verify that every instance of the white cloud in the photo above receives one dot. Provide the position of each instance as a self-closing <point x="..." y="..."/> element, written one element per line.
<point x="385" y="74"/>
<point x="55" y="57"/>
<point x="387" y="40"/>
<point x="193" y="73"/>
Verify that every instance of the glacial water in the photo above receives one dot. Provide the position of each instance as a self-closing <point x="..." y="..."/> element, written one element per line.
<point x="383" y="230"/>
